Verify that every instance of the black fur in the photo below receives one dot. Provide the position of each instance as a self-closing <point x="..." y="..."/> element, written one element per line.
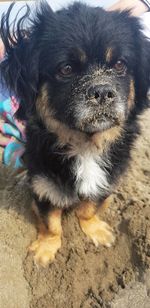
<point x="35" y="57"/>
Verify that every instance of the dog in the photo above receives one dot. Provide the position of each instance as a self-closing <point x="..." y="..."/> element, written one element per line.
<point x="81" y="75"/>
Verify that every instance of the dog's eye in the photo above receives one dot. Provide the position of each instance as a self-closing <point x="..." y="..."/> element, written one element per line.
<point x="66" y="70"/>
<point x="120" y="67"/>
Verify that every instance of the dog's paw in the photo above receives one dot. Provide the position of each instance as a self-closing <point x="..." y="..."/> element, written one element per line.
<point x="97" y="230"/>
<point x="45" y="249"/>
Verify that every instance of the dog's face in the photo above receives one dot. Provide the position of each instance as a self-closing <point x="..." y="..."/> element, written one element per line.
<point x="92" y="74"/>
<point x="95" y="64"/>
<point x="94" y="94"/>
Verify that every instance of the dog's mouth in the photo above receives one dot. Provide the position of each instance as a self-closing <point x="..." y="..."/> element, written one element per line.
<point x="97" y="126"/>
<point x="100" y="122"/>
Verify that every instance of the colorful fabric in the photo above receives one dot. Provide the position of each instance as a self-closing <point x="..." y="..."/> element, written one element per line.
<point x="12" y="133"/>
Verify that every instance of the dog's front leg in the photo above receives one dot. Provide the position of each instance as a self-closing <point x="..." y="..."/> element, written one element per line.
<point x="97" y="230"/>
<point x="49" y="235"/>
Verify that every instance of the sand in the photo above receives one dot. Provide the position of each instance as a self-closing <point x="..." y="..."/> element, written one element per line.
<point x="82" y="275"/>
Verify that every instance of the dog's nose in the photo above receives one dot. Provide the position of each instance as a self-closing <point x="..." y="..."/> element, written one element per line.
<point x="101" y="92"/>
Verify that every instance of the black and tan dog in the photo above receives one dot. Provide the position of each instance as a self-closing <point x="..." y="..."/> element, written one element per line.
<point x="82" y="76"/>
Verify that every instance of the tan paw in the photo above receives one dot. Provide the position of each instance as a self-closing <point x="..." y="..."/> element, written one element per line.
<point x="45" y="248"/>
<point x="99" y="231"/>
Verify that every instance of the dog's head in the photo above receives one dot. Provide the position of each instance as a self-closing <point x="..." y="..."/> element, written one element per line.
<point x="95" y="65"/>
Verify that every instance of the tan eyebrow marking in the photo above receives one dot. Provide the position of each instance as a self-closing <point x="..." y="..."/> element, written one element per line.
<point x="82" y="55"/>
<point x="109" y="54"/>
<point x="131" y="97"/>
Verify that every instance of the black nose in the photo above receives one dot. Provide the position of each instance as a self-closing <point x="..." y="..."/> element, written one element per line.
<point x="101" y="92"/>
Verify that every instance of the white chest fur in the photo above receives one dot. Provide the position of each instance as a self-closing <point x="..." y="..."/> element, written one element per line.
<point x="91" y="177"/>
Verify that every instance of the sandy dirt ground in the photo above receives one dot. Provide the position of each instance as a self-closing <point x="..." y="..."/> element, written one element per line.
<point x="82" y="275"/>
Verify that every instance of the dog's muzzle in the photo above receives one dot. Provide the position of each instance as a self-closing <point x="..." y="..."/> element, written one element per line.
<point x="98" y="104"/>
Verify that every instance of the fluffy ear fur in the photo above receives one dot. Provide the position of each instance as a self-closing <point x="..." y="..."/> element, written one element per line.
<point x="143" y="68"/>
<point x="20" y="67"/>
<point x="142" y="59"/>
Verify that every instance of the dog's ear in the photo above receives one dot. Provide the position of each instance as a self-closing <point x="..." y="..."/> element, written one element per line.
<point x="142" y="57"/>
<point x="20" y="66"/>
<point x="143" y="68"/>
